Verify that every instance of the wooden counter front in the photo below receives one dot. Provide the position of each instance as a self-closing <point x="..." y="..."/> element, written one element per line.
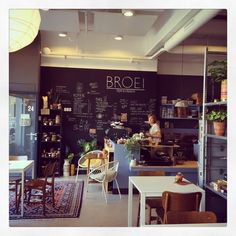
<point x="188" y="168"/>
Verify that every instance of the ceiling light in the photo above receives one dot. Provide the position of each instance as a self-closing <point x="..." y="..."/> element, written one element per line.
<point x="24" y="26"/>
<point x="46" y="50"/>
<point x="62" y="35"/>
<point x="118" y="37"/>
<point x="127" y="12"/>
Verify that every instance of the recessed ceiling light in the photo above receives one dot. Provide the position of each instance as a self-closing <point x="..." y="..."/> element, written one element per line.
<point x="118" y="37"/>
<point x="128" y="12"/>
<point x="62" y="34"/>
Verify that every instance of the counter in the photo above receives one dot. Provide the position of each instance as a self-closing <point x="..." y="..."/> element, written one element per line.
<point x="188" y="168"/>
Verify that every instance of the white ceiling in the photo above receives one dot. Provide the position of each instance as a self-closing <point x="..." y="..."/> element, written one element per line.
<point x="91" y="32"/>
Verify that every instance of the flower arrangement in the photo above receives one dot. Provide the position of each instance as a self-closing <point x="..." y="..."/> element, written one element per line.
<point x="132" y="145"/>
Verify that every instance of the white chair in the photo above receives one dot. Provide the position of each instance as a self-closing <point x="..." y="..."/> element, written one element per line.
<point x="93" y="163"/>
<point x="104" y="174"/>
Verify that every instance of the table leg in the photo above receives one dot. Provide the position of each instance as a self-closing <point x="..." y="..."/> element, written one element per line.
<point x="33" y="171"/>
<point x="142" y="209"/>
<point x="22" y="192"/>
<point x="88" y="168"/>
<point x="130" y="204"/>
<point x="202" y="204"/>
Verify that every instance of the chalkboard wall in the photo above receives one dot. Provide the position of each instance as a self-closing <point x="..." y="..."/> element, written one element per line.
<point x="92" y="99"/>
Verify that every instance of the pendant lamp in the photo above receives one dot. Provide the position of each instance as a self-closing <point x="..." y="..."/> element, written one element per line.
<point x="24" y="26"/>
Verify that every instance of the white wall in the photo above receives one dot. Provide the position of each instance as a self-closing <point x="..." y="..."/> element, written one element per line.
<point x="176" y="64"/>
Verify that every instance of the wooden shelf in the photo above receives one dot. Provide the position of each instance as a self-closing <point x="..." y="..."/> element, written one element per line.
<point x="215" y="103"/>
<point x="178" y="118"/>
<point x="179" y="130"/>
<point x="216" y="136"/>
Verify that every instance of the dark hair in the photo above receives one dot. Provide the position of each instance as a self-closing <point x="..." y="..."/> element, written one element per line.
<point x="153" y="117"/>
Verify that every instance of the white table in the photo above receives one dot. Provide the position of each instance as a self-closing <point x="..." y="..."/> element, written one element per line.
<point x="21" y="167"/>
<point x="154" y="186"/>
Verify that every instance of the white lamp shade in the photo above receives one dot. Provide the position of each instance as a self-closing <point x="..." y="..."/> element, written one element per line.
<point x="24" y="26"/>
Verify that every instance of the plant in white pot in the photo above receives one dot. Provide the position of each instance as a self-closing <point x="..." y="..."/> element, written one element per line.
<point x="132" y="145"/>
<point x="218" y="72"/>
<point x="219" y="121"/>
<point x="67" y="169"/>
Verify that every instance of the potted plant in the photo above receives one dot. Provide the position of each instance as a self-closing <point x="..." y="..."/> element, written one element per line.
<point x="218" y="117"/>
<point x="132" y="145"/>
<point x="181" y="106"/>
<point x="218" y="72"/>
<point x="87" y="146"/>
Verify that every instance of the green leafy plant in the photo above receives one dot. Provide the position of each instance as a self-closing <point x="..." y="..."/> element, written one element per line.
<point x="70" y="156"/>
<point x="217" y="115"/>
<point x="87" y="146"/>
<point x="218" y="71"/>
<point x="132" y="145"/>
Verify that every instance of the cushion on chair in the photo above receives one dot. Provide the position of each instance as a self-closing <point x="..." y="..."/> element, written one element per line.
<point x="110" y="175"/>
<point x="93" y="163"/>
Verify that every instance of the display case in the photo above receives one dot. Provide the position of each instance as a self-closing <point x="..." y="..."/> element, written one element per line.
<point x="213" y="142"/>
<point x="50" y="139"/>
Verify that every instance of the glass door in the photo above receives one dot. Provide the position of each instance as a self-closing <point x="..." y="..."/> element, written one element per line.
<point x="23" y="125"/>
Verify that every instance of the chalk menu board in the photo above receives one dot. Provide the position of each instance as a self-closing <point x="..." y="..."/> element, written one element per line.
<point x="92" y="99"/>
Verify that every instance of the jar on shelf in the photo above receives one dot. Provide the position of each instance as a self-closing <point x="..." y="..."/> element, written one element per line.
<point x="58" y="120"/>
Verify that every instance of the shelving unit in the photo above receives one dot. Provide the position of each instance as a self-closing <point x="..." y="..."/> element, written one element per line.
<point x="51" y="140"/>
<point x="172" y="125"/>
<point x="213" y="148"/>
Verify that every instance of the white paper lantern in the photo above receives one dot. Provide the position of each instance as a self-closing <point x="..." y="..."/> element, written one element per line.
<point x="24" y="26"/>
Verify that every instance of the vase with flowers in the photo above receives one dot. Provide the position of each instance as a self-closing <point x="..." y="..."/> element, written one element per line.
<point x="132" y="146"/>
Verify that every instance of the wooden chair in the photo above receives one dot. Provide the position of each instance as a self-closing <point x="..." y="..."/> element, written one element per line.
<point x="151" y="202"/>
<point x="44" y="187"/>
<point x="190" y="217"/>
<point x="172" y="201"/>
<point x="15" y="181"/>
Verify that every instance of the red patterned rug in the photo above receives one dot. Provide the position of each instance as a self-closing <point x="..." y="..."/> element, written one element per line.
<point x="68" y="201"/>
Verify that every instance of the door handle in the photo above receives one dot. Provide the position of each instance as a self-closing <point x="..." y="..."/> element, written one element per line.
<point x="33" y="136"/>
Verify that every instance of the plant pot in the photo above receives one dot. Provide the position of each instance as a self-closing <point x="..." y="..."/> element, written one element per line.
<point x="182" y="112"/>
<point x="219" y="128"/>
<point x="223" y="92"/>
<point x="132" y="163"/>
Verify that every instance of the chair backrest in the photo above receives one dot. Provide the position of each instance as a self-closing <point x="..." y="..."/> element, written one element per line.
<point x="151" y="173"/>
<point x="172" y="201"/>
<point x="49" y="171"/>
<point x="18" y="158"/>
<point x="191" y="217"/>
<point x="106" y="172"/>
<point x="83" y="162"/>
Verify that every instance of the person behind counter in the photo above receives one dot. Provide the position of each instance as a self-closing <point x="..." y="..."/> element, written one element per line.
<point x="154" y="132"/>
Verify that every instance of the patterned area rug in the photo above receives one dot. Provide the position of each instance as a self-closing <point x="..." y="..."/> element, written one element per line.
<point x="68" y="201"/>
